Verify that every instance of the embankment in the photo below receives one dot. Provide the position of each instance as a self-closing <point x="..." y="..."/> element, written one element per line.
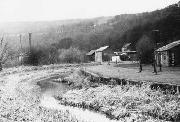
<point x="121" y="99"/>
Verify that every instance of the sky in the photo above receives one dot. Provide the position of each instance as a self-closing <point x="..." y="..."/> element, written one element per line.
<point x="47" y="10"/>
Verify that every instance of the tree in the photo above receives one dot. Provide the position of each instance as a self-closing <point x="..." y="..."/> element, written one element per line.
<point x="71" y="55"/>
<point x="3" y="52"/>
<point x="145" y="47"/>
<point x="65" y="43"/>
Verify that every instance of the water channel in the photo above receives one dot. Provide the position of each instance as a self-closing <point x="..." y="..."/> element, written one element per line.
<point x="49" y="88"/>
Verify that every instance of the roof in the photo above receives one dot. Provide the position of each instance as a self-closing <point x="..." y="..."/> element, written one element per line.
<point x="125" y="52"/>
<point x="169" y="46"/>
<point x="126" y="45"/>
<point x="102" y="48"/>
<point x="91" y="52"/>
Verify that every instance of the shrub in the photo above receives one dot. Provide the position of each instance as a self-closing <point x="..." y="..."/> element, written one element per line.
<point x="71" y="55"/>
<point x="32" y="57"/>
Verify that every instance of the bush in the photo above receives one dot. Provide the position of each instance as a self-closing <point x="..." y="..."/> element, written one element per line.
<point x="71" y="55"/>
<point x="32" y="57"/>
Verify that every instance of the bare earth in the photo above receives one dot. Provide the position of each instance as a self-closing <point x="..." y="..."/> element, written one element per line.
<point x="130" y="72"/>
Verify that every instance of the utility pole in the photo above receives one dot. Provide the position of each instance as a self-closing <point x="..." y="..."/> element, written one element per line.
<point x="20" y="36"/>
<point x="30" y="34"/>
<point x="154" y="52"/>
<point x="158" y="35"/>
<point x="20" y="49"/>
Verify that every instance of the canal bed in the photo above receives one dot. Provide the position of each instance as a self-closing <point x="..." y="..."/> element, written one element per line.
<point x="49" y="89"/>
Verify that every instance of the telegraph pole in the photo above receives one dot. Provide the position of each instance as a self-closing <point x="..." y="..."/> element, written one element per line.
<point x="154" y="52"/>
<point x="30" y="34"/>
<point x="20" y="42"/>
<point x="20" y="49"/>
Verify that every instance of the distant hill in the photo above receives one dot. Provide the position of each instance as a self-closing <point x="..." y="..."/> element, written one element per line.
<point x="92" y="33"/>
<point x="46" y="32"/>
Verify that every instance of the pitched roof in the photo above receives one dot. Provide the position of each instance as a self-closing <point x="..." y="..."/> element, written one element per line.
<point x="91" y="52"/>
<point x="126" y="45"/>
<point x="102" y="48"/>
<point x="169" y="46"/>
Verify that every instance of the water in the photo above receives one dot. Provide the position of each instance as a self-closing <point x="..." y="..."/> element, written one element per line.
<point x="50" y="88"/>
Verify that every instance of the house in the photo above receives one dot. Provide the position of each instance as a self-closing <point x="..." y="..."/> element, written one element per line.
<point x="97" y="55"/>
<point x="126" y="53"/>
<point x="116" y="58"/>
<point x="178" y="4"/>
<point x="169" y="55"/>
<point x="91" y="55"/>
<point x="126" y="47"/>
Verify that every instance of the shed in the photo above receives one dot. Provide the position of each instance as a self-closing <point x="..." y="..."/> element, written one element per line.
<point x="99" y="54"/>
<point x="178" y="4"/>
<point x="116" y="58"/>
<point x="169" y="55"/>
<point x="127" y="55"/>
<point x="91" y="55"/>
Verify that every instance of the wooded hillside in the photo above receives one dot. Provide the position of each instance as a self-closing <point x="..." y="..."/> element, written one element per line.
<point x="92" y="33"/>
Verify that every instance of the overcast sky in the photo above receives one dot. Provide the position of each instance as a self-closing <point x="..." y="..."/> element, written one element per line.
<point x="35" y="10"/>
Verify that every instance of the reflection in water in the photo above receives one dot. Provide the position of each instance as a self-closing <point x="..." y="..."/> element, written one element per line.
<point x="52" y="88"/>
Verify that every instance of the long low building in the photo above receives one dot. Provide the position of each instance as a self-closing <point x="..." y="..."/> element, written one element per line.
<point x="169" y="55"/>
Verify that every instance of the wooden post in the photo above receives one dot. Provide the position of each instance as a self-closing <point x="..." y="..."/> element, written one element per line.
<point x="121" y="83"/>
<point x="177" y="90"/>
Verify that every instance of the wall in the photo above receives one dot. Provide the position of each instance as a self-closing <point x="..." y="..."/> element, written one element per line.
<point x="165" y="58"/>
<point x="98" y="56"/>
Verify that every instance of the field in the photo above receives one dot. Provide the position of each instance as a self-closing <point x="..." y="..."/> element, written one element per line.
<point x="130" y="71"/>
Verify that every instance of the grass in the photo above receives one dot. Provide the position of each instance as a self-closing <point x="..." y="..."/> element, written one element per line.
<point x="118" y="102"/>
<point x="122" y="102"/>
<point x="130" y="72"/>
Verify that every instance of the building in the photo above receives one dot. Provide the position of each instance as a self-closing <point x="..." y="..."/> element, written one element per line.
<point x="116" y="58"/>
<point x="126" y="54"/>
<point x="126" y="47"/>
<point x="91" y="55"/>
<point x="178" y="4"/>
<point x="169" y="55"/>
<point x="97" y="55"/>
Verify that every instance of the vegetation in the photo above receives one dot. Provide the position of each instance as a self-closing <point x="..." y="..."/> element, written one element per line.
<point x="138" y="103"/>
<point x="71" y="55"/>
<point x="4" y="52"/>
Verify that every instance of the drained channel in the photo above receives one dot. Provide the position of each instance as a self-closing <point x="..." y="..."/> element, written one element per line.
<point x="49" y="89"/>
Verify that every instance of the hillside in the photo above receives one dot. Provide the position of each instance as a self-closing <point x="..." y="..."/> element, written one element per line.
<point x="129" y="28"/>
<point x="90" y="34"/>
<point x="45" y="32"/>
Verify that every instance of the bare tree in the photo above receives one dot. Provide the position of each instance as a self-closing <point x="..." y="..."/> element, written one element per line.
<point x="3" y="52"/>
